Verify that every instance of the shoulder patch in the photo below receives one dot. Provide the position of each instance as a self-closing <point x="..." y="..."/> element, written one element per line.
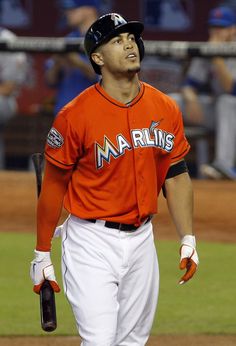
<point x="55" y="139"/>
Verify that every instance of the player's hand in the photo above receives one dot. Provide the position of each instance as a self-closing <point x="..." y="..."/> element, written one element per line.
<point x="42" y="269"/>
<point x="188" y="257"/>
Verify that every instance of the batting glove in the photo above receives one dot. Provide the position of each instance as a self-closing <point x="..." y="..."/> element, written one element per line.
<point x="42" y="269"/>
<point x="188" y="257"/>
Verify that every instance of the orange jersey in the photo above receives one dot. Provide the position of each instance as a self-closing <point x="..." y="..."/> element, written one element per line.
<point x="119" y="154"/>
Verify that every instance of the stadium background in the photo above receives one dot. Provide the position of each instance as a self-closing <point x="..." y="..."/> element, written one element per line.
<point x="46" y="20"/>
<point x="214" y="203"/>
<point x="26" y="133"/>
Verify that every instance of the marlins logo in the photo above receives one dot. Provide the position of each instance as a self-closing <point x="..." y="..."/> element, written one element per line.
<point x="117" y="19"/>
<point x="154" y="124"/>
<point x="55" y="139"/>
<point x="140" y="138"/>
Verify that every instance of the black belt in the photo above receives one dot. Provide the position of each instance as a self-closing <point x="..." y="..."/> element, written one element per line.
<point x="121" y="226"/>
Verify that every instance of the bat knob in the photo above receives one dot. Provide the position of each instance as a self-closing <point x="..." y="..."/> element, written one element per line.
<point x="48" y="307"/>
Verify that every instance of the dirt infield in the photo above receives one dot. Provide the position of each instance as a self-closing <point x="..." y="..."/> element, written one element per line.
<point x="214" y="221"/>
<point x="214" y="208"/>
<point x="207" y="340"/>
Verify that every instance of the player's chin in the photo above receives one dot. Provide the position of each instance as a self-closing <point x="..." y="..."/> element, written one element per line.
<point x="133" y="69"/>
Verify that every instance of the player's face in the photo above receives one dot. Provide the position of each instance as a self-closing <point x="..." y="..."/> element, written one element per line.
<point x="121" y="54"/>
<point x="232" y="33"/>
<point x="219" y="34"/>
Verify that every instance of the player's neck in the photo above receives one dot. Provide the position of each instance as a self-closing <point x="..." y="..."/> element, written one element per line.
<point x="123" y="90"/>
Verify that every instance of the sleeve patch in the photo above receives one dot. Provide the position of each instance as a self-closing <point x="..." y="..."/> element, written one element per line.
<point x="55" y="139"/>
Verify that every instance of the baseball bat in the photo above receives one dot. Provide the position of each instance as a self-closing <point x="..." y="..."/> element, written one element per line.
<point x="47" y="296"/>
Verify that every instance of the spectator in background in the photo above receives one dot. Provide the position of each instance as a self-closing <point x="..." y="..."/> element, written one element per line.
<point x="13" y="75"/>
<point x="71" y="73"/>
<point x="209" y="89"/>
<point x="224" y="165"/>
<point x="225" y="155"/>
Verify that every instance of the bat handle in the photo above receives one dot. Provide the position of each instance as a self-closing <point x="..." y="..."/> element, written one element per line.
<point x="48" y="307"/>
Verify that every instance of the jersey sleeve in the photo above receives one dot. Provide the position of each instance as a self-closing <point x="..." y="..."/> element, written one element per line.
<point x="181" y="145"/>
<point x="63" y="146"/>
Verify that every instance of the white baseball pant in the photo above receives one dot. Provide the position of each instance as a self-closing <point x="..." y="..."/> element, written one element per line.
<point x="111" y="279"/>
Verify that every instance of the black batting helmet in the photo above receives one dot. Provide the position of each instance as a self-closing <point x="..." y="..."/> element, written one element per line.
<point x="108" y="26"/>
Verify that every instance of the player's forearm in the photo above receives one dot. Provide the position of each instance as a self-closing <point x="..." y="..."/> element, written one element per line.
<point x="48" y="214"/>
<point x="193" y="108"/>
<point x="50" y="204"/>
<point x="223" y="74"/>
<point x="189" y="94"/>
<point x="179" y="195"/>
<point x="75" y="60"/>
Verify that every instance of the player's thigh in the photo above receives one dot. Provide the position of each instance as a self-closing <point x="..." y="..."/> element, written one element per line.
<point x="90" y="286"/>
<point x="138" y="294"/>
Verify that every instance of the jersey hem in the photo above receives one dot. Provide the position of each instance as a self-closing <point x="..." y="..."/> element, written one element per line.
<point x="178" y="157"/>
<point x="58" y="163"/>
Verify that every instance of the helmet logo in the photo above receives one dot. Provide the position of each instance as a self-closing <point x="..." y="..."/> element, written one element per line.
<point x="117" y="19"/>
<point x="97" y="34"/>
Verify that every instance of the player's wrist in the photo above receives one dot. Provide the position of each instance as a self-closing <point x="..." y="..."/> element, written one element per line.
<point x="42" y="255"/>
<point x="189" y="240"/>
<point x="188" y="248"/>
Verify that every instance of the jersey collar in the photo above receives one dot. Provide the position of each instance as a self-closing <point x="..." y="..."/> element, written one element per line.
<point x="104" y="94"/>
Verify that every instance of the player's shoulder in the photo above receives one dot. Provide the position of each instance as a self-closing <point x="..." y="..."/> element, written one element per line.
<point x="152" y="91"/>
<point x="160" y="97"/>
<point x="81" y="104"/>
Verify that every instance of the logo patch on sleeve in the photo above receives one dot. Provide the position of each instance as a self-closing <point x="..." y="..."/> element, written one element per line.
<point x="55" y="139"/>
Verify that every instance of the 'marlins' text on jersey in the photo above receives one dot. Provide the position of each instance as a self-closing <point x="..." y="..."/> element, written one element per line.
<point x="140" y="138"/>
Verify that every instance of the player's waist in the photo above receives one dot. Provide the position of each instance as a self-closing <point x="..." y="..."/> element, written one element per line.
<point x="116" y="225"/>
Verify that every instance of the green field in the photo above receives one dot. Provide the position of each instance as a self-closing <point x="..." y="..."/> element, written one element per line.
<point x="206" y="305"/>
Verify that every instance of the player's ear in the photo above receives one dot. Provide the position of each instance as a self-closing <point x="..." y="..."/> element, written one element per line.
<point x="97" y="58"/>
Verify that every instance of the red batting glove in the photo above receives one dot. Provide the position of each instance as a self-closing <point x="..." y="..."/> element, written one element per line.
<point x="188" y="257"/>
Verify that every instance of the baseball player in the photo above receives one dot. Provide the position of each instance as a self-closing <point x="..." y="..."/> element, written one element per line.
<point x="108" y="155"/>
<point x="208" y="94"/>
<point x="14" y="74"/>
<point x="71" y="73"/>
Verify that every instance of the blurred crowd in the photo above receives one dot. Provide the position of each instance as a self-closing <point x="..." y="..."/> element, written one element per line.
<point x="13" y="75"/>
<point x="72" y="73"/>
<point x="206" y="95"/>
